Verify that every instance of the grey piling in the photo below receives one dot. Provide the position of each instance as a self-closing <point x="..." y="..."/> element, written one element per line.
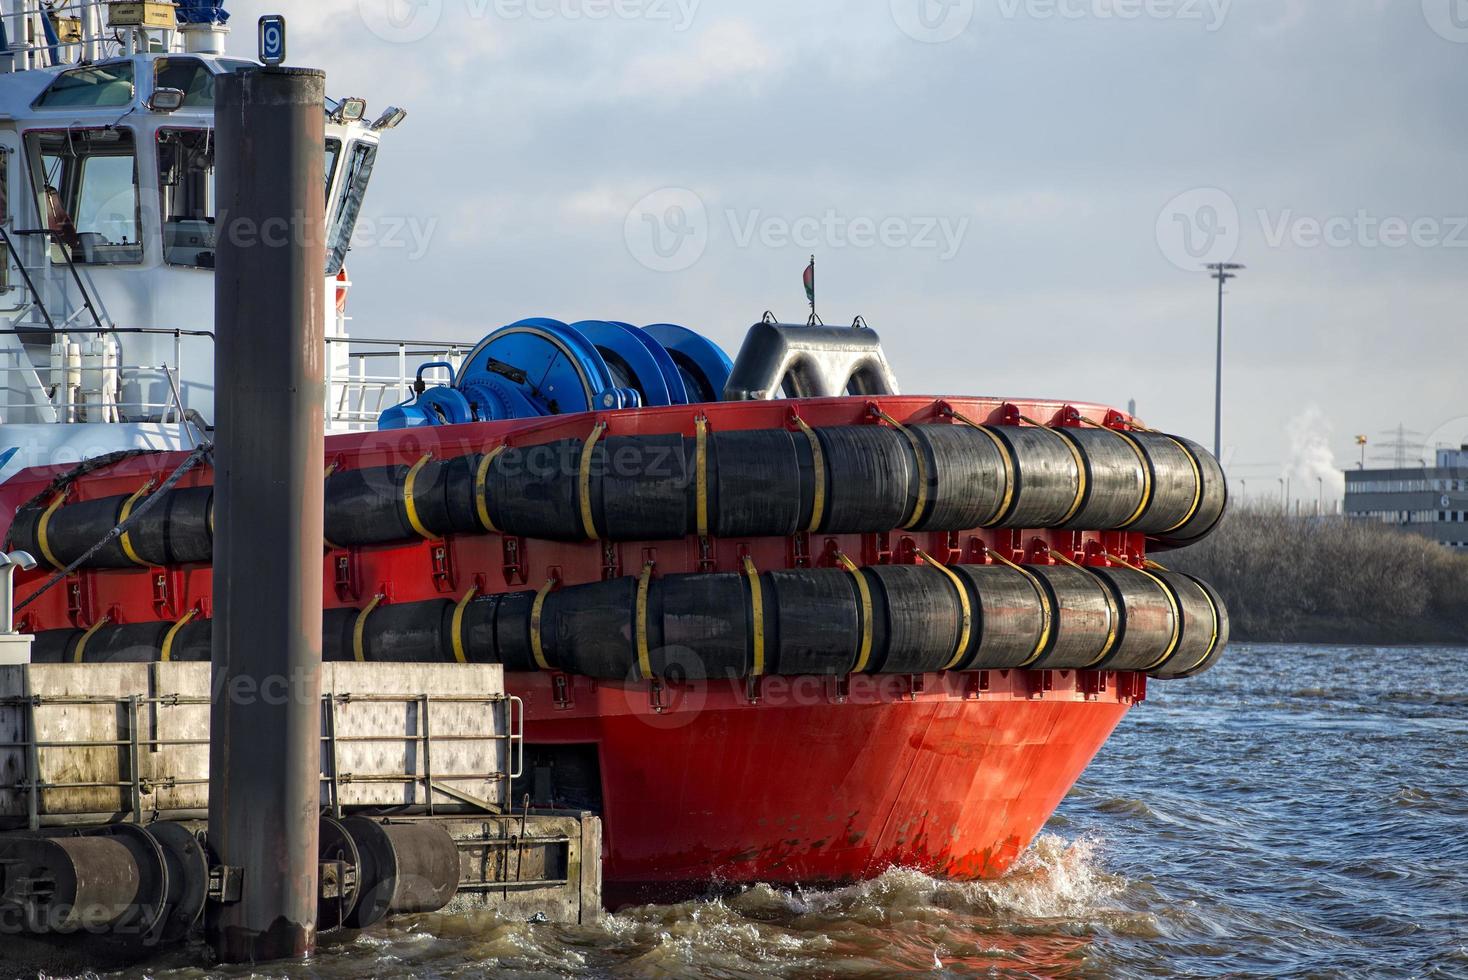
<point x="264" y="792"/>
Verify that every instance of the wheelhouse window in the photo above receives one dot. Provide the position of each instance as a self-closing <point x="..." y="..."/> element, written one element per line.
<point x="87" y="193"/>
<point x="190" y="76"/>
<point x="354" y="188"/>
<point x="109" y="84"/>
<point x="333" y="154"/>
<point x="187" y="196"/>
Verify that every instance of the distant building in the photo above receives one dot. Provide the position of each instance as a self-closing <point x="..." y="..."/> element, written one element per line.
<point x="1428" y="500"/>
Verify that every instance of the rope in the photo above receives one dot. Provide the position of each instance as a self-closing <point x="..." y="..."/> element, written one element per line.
<point x="360" y="626"/>
<point x="1080" y="466"/>
<point x="65" y="480"/>
<point x="410" y="505"/>
<point x="537" y="609"/>
<point x="644" y="654"/>
<point x="922" y="468"/>
<point x="81" y="645"/>
<point x="189" y="462"/>
<point x="818" y="464"/>
<point x="1009" y="467"/>
<point x="865" y="655"/>
<point x="757" y="610"/>
<point x="588" y="518"/>
<point x="1113" y="611"/>
<point x="42" y="527"/>
<point x="1197" y="485"/>
<point x="481" y="488"/>
<point x="458" y="624"/>
<point x="1172" y="602"/>
<point x="166" y="654"/>
<point x="701" y="473"/>
<point x="966" y="631"/>
<point x="1047" y="611"/>
<point x="126" y="539"/>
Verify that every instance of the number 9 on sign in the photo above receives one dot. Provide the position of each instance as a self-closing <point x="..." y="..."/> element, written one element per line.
<point x="272" y="39"/>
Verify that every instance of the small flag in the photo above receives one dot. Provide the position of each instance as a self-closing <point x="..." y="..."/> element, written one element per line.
<point x="810" y="281"/>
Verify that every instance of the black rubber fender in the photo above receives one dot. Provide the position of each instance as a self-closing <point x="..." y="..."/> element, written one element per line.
<point x="1205" y="628"/>
<point x="813" y="621"/>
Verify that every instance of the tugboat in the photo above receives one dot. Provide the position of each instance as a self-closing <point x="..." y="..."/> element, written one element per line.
<point x="770" y="619"/>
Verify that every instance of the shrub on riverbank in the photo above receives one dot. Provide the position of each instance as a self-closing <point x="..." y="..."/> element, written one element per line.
<point x="1330" y="580"/>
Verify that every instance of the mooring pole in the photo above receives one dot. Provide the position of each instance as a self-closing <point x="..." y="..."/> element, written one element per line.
<point x="265" y="758"/>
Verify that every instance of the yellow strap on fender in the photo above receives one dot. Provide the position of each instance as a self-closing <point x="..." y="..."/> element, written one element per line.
<point x="1177" y="612"/>
<point x="588" y="519"/>
<point x="41" y="537"/>
<point x="865" y="656"/>
<point x="1197" y="485"/>
<point x="757" y="614"/>
<point x="818" y="466"/>
<point x="701" y="474"/>
<point x="922" y="468"/>
<point x="411" y="505"/>
<point x="536" y="610"/>
<point x="963" y="601"/>
<point x="81" y="645"/>
<point x="1004" y="454"/>
<point x="1147" y="487"/>
<point x="166" y="654"/>
<point x="481" y="488"/>
<point x="1213" y="640"/>
<point x="127" y="508"/>
<point x="1047" y="611"/>
<point x="458" y="624"/>
<point x="644" y="654"/>
<point x="357" y="629"/>
<point x="1075" y="453"/>
<point x="1113" y="612"/>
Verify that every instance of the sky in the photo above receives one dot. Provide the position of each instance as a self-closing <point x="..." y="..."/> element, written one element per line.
<point x="1018" y="195"/>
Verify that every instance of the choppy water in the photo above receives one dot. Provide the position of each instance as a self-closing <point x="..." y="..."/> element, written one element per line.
<point x="1296" y="811"/>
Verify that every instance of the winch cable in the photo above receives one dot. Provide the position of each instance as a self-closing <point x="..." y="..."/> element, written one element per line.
<point x="190" y="461"/>
<point x="65" y="480"/>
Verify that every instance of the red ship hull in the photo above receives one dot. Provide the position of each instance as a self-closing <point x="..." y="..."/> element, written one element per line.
<point x="812" y="780"/>
<point x="948" y="774"/>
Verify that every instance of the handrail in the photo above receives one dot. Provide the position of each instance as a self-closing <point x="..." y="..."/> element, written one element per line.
<point x="25" y="274"/>
<point x="137" y="741"/>
<point x="383" y="342"/>
<point x="155" y="331"/>
<point x="76" y="276"/>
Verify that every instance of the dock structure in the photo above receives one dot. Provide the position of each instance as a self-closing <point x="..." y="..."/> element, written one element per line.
<point x="264" y="797"/>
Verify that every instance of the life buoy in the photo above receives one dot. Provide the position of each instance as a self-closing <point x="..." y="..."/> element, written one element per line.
<point x="343" y="283"/>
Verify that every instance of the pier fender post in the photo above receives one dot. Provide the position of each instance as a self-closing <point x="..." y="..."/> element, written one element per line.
<point x="270" y="282"/>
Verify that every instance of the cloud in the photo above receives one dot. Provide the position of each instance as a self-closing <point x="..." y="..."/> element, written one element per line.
<point x="1061" y="140"/>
